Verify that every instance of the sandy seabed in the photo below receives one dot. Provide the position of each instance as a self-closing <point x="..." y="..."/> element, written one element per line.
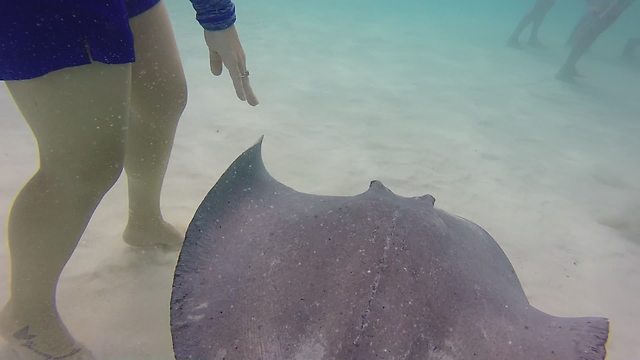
<point x="549" y="169"/>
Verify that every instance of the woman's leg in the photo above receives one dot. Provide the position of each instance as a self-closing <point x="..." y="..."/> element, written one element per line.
<point x="79" y="117"/>
<point x="159" y="95"/>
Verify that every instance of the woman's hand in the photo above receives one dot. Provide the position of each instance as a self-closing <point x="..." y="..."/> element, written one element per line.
<point x="225" y="48"/>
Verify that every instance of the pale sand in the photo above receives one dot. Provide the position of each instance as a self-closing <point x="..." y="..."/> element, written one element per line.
<point x="550" y="170"/>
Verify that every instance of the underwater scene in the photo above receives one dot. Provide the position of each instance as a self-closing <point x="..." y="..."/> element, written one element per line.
<point x="522" y="116"/>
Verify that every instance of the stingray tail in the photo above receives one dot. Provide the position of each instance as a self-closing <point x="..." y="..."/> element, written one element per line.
<point x="590" y="337"/>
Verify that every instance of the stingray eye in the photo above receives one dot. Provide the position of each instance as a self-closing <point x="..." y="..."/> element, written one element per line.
<point x="428" y="198"/>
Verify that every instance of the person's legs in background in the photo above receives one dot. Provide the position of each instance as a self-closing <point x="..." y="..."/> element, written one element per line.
<point x="588" y="35"/>
<point x="544" y="9"/>
<point x="534" y="18"/>
<point x="594" y="9"/>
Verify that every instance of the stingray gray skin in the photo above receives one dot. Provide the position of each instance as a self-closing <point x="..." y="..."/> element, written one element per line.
<point x="268" y="273"/>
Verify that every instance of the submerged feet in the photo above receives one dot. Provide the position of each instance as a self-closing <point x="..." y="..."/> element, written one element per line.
<point x="39" y="336"/>
<point x="155" y="233"/>
<point x="34" y="331"/>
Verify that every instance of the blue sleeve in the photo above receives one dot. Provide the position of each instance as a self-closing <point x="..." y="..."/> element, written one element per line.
<point x="215" y="14"/>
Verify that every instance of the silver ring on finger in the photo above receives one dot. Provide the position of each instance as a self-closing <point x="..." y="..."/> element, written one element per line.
<point x="244" y="75"/>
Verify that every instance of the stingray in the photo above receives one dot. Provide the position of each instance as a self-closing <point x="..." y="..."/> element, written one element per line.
<point x="269" y="273"/>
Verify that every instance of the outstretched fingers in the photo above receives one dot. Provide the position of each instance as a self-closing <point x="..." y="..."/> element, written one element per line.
<point x="240" y="77"/>
<point x="247" y="91"/>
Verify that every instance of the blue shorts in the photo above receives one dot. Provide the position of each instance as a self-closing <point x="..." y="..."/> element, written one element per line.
<point x="40" y="36"/>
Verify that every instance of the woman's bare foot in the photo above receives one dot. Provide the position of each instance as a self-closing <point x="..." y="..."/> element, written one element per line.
<point x="156" y="233"/>
<point x="39" y="336"/>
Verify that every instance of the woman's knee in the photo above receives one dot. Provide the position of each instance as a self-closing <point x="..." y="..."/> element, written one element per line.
<point x="179" y="94"/>
<point x="164" y="96"/>
<point x="159" y="86"/>
<point x="92" y="177"/>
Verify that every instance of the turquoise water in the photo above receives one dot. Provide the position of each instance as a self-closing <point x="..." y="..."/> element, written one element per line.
<point x="422" y="95"/>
